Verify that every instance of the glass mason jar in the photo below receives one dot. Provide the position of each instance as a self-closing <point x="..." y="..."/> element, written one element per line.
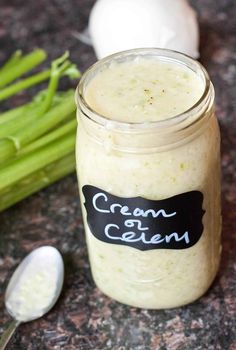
<point x="150" y="195"/>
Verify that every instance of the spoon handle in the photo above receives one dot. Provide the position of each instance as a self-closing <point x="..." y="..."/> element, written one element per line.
<point x="7" y="334"/>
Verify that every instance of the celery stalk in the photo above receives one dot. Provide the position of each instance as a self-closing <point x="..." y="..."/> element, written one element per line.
<point x="37" y="139"/>
<point x="29" y="163"/>
<point x="8" y="116"/>
<point x="12" y="61"/>
<point x="24" y="116"/>
<point x="51" y="136"/>
<point x="14" y="113"/>
<point x="58" y="68"/>
<point x="10" y="129"/>
<point x="24" y="84"/>
<point x="37" y="181"/>
<point x="25" y="64"/>
<point x="24" y="113"/>
<point x="10" y="145"/>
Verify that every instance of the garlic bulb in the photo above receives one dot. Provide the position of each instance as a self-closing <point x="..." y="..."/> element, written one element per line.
<point x="117" y="25"/>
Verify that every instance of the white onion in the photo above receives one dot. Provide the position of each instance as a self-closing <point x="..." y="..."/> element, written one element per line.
<point x="117" y="25"/>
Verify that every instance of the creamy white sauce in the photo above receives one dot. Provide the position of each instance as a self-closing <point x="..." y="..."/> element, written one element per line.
<point x="144" y="90"/>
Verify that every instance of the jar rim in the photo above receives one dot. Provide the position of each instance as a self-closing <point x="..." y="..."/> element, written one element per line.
<point x="163" y="55"/>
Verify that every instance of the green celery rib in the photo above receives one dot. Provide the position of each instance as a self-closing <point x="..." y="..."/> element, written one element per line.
<point x="13" y="113"/>
<point x="33" y="111"/>
<point x="11" y="126"/>
<point x="8" y="116"/>
<point x="35" y="128"/>
<point x="13" y="60"/>
<point x="29" y="163"/>
<point x="24" y="65"/>
<point x="24" y="84"/>
<point x="49" y="120"/>
<point x="52" y="136"/>
<point x="21" y="111"/>
<point x="7" y="147"/>
<point x="58" y="66"/>
<point x="37" y="181"/>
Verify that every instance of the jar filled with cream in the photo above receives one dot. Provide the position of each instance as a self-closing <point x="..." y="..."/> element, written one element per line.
<point x="149" y="177"/>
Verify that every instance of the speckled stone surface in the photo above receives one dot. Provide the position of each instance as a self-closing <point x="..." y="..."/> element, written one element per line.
<point x="85" y="319"/>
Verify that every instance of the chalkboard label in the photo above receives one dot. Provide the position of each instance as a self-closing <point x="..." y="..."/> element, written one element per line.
<point x="172" y="223"/>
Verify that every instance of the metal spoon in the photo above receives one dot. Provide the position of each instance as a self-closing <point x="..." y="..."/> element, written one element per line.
<point x="33" y="288"/>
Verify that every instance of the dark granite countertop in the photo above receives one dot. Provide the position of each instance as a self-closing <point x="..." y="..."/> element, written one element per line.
<point x="84" y="318"/>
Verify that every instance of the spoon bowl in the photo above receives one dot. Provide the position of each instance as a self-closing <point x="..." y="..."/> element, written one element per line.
<point x="33" y="288"/>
